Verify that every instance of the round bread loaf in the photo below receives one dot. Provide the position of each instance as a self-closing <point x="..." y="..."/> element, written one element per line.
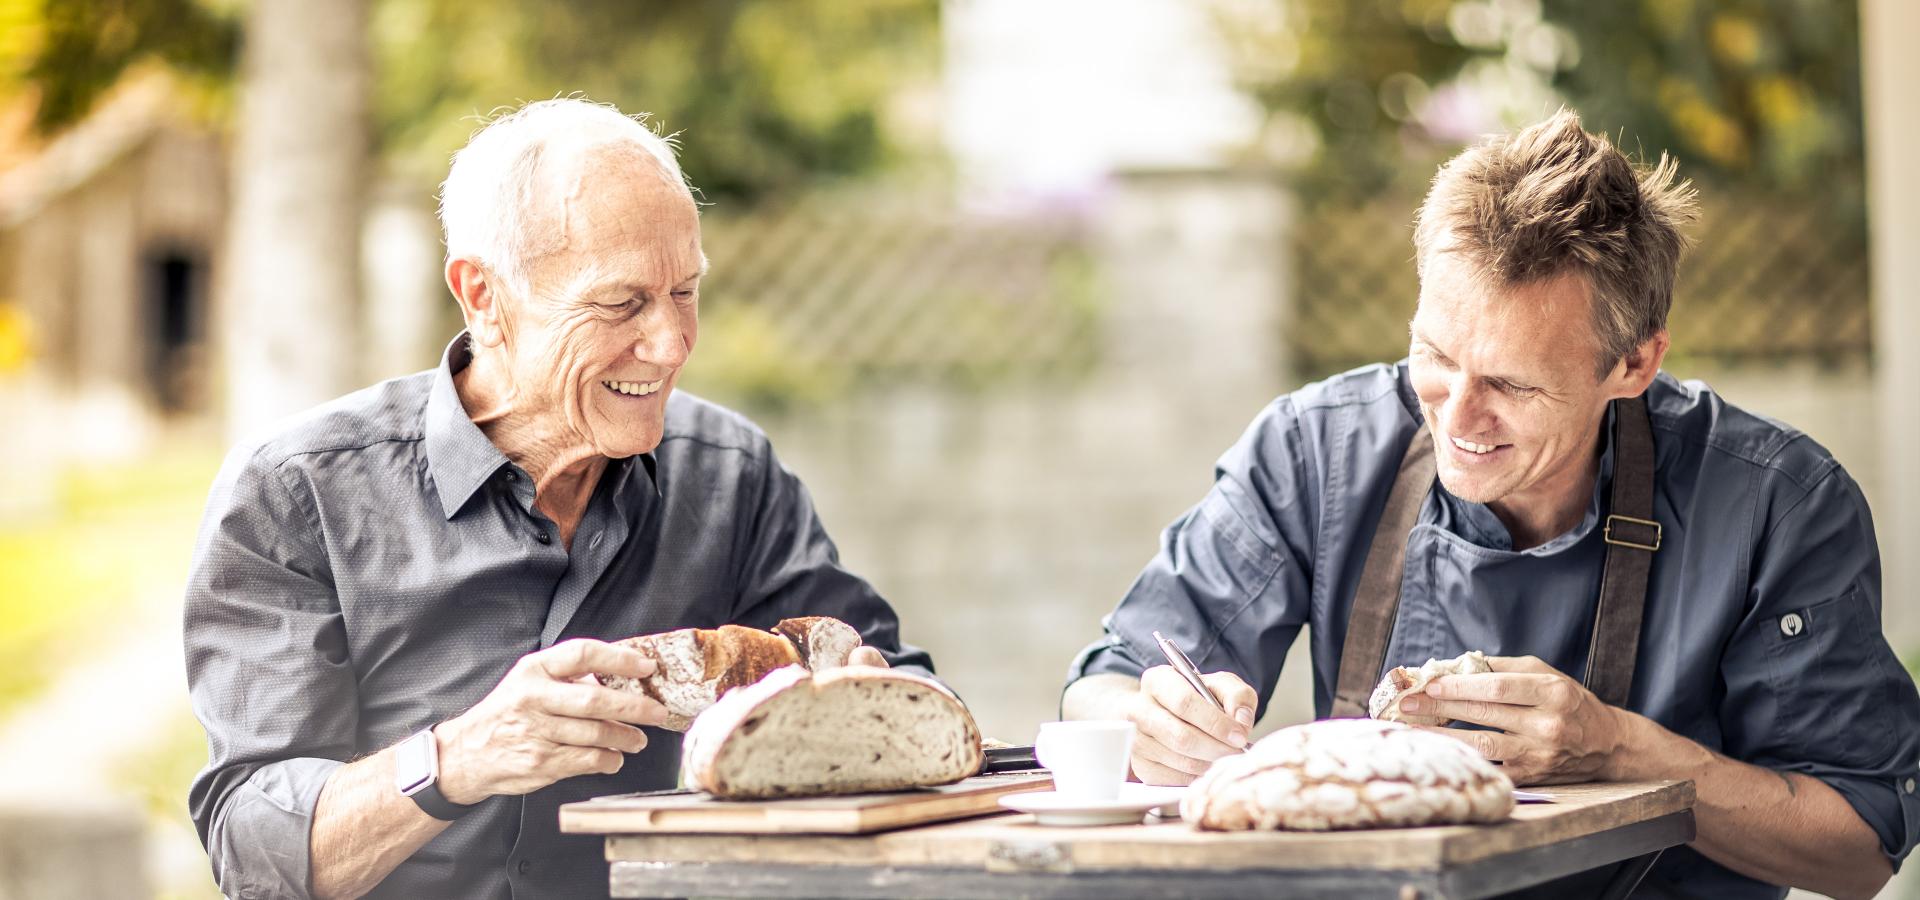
<point x="1402" y="682"/>
<point x="1348" y="773"/>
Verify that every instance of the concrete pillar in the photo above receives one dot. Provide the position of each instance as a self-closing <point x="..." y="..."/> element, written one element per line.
<point x="1889" y="30"/>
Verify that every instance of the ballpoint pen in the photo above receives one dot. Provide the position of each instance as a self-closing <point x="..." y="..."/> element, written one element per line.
<point x="1185" y="667"/>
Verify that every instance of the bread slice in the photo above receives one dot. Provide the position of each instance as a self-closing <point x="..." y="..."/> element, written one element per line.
<point x="851" y="730"/>
<point x="698" y="665"/>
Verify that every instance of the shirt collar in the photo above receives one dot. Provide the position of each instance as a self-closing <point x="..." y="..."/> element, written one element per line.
<point x="460" y="458"/>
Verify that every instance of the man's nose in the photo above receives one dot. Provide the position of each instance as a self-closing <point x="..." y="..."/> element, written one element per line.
<point x="1465" y="410"/>
<point x="662" y="341"/>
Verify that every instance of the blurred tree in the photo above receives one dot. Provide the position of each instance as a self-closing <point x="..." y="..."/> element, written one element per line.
<point x="1760" y="92"/>
<point x="300" y="162"/>
<point x="773" y="92"/>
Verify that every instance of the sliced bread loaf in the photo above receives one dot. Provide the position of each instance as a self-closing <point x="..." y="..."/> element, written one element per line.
<point x="850" y="730"/>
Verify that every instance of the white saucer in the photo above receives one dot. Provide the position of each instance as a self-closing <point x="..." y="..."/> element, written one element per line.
<point x="1135" y="801"/>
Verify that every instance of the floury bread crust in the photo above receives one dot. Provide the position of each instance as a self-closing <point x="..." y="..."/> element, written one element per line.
<point x="699" y="665"/>
<point x="1348" y="773"/>
<point x="851" y="730"/>
<point x="1402" y="682"/>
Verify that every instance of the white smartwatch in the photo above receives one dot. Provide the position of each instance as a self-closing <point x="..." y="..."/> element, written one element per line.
<point x="416" y="773"/>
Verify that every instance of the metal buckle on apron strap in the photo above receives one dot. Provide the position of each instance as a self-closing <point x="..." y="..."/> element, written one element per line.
<point x="1649" y="546"/>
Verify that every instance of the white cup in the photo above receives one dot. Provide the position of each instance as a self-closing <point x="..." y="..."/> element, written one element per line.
<point x="1088" y="759"/>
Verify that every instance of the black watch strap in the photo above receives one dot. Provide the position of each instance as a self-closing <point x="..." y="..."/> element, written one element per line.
<point x="435" y="804"/>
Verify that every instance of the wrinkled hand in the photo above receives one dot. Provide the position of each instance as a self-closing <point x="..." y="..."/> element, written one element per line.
<point x="1555" y="730"/>
<point x="864" y="655"/>
<point x="1180" y="734"/>
<point x="547" y="720"/>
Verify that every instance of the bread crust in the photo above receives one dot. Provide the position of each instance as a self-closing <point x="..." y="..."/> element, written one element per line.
<point x="696" y="666"/>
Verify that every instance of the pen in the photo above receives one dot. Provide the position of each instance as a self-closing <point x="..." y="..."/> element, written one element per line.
<point x="1185" y="667"/>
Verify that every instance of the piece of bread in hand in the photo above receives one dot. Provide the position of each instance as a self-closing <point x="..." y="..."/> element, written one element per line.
<point x="1348" y="773"/>
<point x="699" y="665"/>
<point x="1402" y="682"/>
<point x="852" y="730"/>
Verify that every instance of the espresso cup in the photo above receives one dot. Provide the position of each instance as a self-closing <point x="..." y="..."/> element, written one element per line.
<point x="1088" y="759"/>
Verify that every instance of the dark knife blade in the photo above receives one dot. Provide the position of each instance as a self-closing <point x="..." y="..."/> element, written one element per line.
<point x="1010" y="759"/>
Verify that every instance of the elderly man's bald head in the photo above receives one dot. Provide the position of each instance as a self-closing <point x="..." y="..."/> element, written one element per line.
<point x="519" y="189"/>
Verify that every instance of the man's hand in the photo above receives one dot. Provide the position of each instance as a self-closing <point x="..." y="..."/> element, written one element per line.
<point x="864" y="655"/>
<point x="1556" y="731"/>
<point x="1180" y="733"/>
<point x="545" y="721"/>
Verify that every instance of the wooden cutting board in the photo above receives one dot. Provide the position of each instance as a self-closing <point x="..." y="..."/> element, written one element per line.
<point x="696" y="812"/>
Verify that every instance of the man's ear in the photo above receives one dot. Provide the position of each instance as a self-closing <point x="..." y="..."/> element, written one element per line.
<point x="479" y="304"/>
<point x="1635" y="371"/>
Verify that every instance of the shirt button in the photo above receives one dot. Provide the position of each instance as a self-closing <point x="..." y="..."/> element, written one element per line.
<point x="543" y="537"/>
<point x="512" y="475"/>
<point x="526" y="865"/>
<point x="1909" y="785"/>
<point x="1791" y="624"/>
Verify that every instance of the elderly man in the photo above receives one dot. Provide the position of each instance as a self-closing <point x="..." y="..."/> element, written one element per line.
<point x="1672" y="587"/>
<point x="395" y="598"/>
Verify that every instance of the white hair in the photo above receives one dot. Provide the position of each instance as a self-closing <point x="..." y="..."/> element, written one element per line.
<point x="488" y="204"/>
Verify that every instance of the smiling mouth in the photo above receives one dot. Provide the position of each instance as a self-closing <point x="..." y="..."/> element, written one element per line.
<point x="634" y="388"/>
<point x="1477" y="450"/>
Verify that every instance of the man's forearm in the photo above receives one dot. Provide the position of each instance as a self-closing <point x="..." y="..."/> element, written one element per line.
<point x="1097" y="697"/>
<point x="363" y="828"/>
<point x="1778" y="827"/>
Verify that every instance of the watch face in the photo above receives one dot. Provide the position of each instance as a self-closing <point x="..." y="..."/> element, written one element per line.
<point x="413" y="763"/>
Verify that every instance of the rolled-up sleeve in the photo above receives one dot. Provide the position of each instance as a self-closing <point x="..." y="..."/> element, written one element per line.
<point x="1812" y="685"/>
<point x="791" y="568"/>
<point x="270" y="678"/>
<point x="1230" y="582"/>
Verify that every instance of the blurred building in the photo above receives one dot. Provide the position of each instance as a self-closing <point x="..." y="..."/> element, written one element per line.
<point x="109" y="238"/>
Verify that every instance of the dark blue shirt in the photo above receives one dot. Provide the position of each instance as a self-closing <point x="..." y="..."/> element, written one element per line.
<point x="376" y="566"/>
<point x="1761" y="636"/>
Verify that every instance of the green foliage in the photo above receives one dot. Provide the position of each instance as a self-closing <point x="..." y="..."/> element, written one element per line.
<point x="770" y="92"/>
<point x="1755" y="92"/>
<point x="773" y="92"/>
<point x="73" y="51"/>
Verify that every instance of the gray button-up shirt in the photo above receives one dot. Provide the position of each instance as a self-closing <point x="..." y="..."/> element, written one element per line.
<point x="377" y="565"/>
<point x="1761" y="636"/>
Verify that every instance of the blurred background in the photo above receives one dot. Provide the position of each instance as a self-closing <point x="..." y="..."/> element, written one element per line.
<point x="999" y="277"/>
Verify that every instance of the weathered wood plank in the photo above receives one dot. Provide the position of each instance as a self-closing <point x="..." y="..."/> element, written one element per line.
<point x="1000" y="842"/>
<point x="1632" y="846"/>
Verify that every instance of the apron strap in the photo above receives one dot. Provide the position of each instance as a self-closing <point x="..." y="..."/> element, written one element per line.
<point x="1630" y="533"/>
<point x="1377" y="600"/>
<point x="1632" y="536"/>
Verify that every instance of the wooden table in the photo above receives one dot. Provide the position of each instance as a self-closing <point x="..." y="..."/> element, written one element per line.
<point x="1008" y="855"/>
